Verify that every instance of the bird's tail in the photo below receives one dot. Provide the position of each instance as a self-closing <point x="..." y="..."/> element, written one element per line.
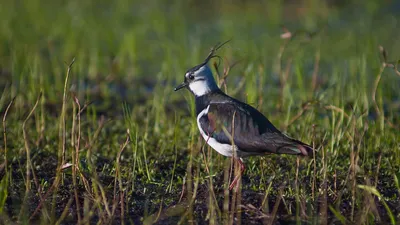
<point x="288" y="145"/>
<point x="305" y="149"/>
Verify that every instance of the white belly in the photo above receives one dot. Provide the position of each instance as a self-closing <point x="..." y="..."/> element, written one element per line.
<point x="223" y="149"/>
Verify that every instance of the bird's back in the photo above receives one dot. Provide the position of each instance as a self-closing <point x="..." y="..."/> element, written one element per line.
<point x="253" y="133"/>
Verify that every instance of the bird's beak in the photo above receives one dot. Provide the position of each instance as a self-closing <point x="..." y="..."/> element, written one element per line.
<point x="184" y="84"/>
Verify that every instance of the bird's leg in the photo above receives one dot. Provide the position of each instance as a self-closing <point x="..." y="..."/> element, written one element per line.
<point x="208" y="137"/>
<point x="242" y="169"/>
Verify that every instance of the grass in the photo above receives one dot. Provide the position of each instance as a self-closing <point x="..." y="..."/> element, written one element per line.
<point x="93" y="132"/>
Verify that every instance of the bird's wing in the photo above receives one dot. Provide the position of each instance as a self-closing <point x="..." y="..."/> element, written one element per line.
<point x="251" y="131"/>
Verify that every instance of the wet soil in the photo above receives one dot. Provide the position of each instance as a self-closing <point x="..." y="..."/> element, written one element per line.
<point x="149" y="202"/>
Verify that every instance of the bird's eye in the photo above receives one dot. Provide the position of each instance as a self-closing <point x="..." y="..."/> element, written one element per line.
<point x="191" y="76"/>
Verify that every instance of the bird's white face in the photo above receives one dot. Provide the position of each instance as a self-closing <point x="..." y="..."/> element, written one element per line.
<point x="199" y="80"/>
<point x="199" y="88"/>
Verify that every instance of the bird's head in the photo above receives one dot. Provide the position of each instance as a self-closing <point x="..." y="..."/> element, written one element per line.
<point x="199" y="79"/>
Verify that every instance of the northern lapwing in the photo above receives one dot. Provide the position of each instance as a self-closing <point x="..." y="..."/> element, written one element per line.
<point x="231" y="127"/>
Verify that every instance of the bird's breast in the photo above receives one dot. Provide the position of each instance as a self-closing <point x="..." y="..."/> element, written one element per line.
<point x="223" y="149"/>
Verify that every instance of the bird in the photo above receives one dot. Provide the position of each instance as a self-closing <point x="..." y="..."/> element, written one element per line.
<point x="231" y="127"/>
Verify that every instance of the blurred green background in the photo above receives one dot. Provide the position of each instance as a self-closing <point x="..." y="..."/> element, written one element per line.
<point x="157" y="40"/>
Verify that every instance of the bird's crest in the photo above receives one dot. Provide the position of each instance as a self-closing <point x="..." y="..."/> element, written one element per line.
<point x="213" y="51"/>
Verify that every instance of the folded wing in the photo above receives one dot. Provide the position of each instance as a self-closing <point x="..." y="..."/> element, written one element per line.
<point x="248" y="129"/>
